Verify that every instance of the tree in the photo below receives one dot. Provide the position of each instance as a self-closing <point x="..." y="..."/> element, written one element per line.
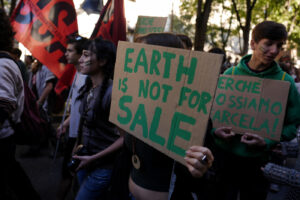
<point x="203" y="12"/>
<point x="8" y="4"/>
<point x="219" y="33"/>
<point x="247" y="25"/>
<point x="202" y="9"/>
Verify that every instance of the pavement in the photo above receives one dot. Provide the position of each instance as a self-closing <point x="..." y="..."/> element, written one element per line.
<point x="43" y="171"/>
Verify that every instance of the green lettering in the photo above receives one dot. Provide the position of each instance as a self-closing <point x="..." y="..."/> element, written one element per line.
<point x="225" y="116"/>
<point x="243" y="120"/>
<point x="153" y="128"/>
<point x="168" y="58"/>
<point x="262" y="103"/>
<point x="128" y="60"/>
<point x="252" y="104"/>
<point x="182" y="96"/>
<point x="177" y="131"/>
<point x="141" y="119"/>
<point x="197" y="98"/>
<point x="232" y="102"/>
<point x="155" y="59"/>
<point x="256" y="87"/>
<point x="154" y="85"/>
<point x="265" y="125"/>
<point x="143" y="89"/>
<point x="189" y="71"/>
<point x="247" y="86"/>
<point x="217" y="116"/>
<point x="125" y="120"/>
<point x="141" y="61"/>
<point x="277" y="111"/>
<point x="240" y="102"/>
<point x="238" y="83"/>
<point x="251" y="124"/>
<point x="221" y="82"/>
<point x="166" y="89"/>
<point x="233" y="116"/>
<point x="205" y="98"/>
<point x="229" y="83"/>
<point x="221" y="99"/>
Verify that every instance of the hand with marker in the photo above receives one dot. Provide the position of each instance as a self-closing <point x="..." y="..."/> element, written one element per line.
<point x="198" y="160"/>
<point x="225" y="133"/>
<point x="253" y="140"/>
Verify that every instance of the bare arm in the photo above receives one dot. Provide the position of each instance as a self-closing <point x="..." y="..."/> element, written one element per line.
<point x="63" y="127"/>
<point x="45" y="93"/>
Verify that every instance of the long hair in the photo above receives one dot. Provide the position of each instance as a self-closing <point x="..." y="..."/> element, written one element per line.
<point x="105" y="50"/>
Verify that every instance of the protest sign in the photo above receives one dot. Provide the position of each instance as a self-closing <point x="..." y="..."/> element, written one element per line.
<point x="163" y="96"/>
<point x="250" y="104"/>
<point x="147" y="24"/>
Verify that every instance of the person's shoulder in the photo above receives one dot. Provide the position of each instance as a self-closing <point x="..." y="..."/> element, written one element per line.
<point x="7" y="64"/>
<point x="229" y="71"/>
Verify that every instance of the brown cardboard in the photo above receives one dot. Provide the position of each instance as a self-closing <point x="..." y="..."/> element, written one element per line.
<point x="125" y="96"/>
<point x="147" y="24"/>
<point x="258" y="108"/>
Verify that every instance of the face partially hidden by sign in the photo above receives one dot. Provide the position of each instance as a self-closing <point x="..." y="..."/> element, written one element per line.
<point x="266" y="50"/>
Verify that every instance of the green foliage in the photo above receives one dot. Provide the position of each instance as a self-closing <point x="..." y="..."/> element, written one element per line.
<point x="282" y="11"/>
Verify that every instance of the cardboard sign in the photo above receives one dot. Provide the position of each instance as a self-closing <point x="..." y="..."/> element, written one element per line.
<point x="250" y="104"/>
<point x="163" y="96"/>
<point x="147" y="24"/>
<point x="42" y="27"/>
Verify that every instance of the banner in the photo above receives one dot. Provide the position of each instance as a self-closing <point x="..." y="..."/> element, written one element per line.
<point x="251" y="104"/>
<point x="42" y="26"/>
<point x="163" y="96"/>
<point x="112" y="23"/>
<point x="147" y="24"/>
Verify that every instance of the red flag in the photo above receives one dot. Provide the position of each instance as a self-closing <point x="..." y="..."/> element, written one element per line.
<point x="111" y="24"/>
<point x="42" y="26"/>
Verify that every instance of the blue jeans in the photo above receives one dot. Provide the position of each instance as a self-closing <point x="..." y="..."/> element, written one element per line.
<point x="94" y="184"/>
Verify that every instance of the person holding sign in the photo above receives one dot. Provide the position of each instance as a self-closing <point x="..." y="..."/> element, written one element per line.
<point x="239" y="158"/>
<point x="100" y="138"/>
<point x="151" y="170"/>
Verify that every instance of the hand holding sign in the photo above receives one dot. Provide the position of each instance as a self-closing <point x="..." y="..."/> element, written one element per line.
<point x="253" y="140"/>
<point x="225" y="133"/>
<point x="194" y="160"/>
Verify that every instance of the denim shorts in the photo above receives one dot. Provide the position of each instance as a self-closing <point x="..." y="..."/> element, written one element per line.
<point x="94" y="184"/>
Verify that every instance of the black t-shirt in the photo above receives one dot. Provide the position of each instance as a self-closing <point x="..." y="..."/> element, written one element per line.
<point x="155" y="169"/>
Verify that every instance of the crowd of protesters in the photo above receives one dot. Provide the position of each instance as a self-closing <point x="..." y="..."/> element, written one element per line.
<point x="109" y="163"/>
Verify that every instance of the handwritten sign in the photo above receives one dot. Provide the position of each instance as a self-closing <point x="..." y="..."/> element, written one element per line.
<point x="147" y="24"/>
<point x="250" y="104"/>
<point x="163" y="96"/>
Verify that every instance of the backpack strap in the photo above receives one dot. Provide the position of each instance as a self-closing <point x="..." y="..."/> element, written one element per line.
<point x="283" y="76"/>
<point x="233" y="68"/>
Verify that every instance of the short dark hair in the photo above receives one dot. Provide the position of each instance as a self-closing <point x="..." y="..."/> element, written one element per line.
<point x="6" y="32"/>
<point x="186" y="40"/>
<point x="162" y="39"/>
<point x="16" y="52"/>
<point x="269" y="30"/>
<point x="217" y="50"/>
<point x="78" y="42"/>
